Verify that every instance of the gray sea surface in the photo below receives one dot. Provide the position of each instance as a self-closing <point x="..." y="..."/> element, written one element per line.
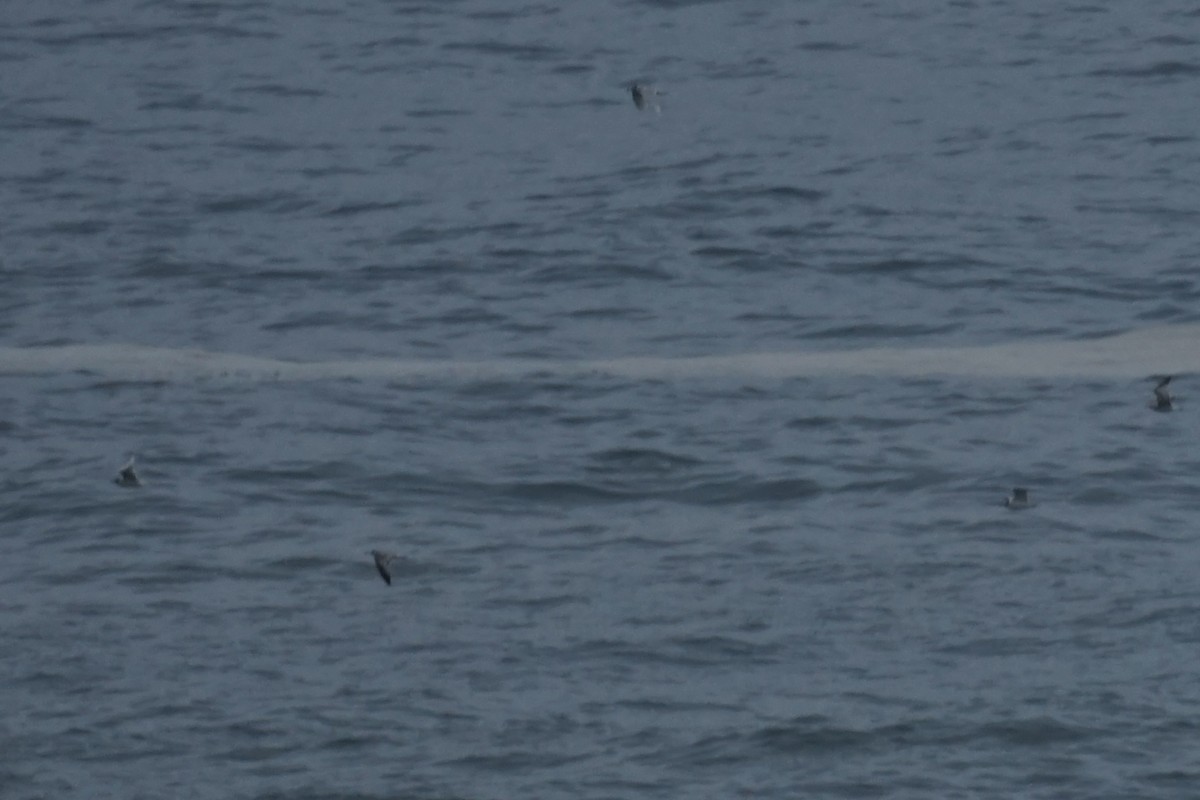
<point x="691" y="427"/>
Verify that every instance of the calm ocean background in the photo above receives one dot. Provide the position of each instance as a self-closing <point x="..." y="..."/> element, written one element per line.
<point x="418" y="276"/>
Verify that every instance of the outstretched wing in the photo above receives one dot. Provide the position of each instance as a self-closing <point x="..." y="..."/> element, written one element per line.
<point x="381" y="565"/>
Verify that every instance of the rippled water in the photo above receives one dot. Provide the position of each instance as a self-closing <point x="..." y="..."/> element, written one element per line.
<point x="692" y="428"/>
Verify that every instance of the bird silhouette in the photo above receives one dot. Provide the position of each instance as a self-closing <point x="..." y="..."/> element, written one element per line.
<point x="1163" y="401"/>
<point x="382" y="560"/>
<point x="127" y="477"/>
<point x="1018" y="499"/>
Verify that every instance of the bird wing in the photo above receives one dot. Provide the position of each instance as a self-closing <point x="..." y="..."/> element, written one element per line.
<point x="381" y="565"/>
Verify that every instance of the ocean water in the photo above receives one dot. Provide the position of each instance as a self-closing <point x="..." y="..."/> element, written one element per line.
<point x="691" y="427"/>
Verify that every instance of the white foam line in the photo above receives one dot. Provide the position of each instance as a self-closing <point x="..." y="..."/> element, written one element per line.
<point x="1164" y="350"/>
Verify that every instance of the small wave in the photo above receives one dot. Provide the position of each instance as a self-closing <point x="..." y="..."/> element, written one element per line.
<point x="1161" y="69"/>
<point x="537" y="604"/>
<point x="720" y="648"/>
<point x="272" y="202"/>
<point x="566" y="492"/>
<point x="1032" y="732"/>
<point x="735" y="492"/>
<point x="641" y="487"/>
<point x="521" y="52"/>
<point x="354" y="209"/>
<point x="819" y="734"/>
<point x="640" y="459"/>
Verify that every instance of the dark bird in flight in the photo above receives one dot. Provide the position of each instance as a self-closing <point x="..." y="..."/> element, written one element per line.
<point x="127" y="477"/>
<point x="643" y="95"/>
<point x="1018" y="499"/>
<point x="1162" y="396"/>
<point x="382" y="560"/>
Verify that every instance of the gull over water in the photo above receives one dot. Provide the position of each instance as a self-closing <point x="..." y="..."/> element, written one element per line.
<point x="382" y="561"/>
<point x="645" y="95"/>
<point x="1163" y="399"/>
<point x="1018" y="499"/>
<point x="127" y="477"/>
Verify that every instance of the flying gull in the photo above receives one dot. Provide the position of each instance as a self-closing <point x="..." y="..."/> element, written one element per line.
<point x="643" y="95"/>
<point x="1162" y="396"/>
<point x="127" y="477"/>
<point x="382" y="560"/>
<point x="1018" y="499"/>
